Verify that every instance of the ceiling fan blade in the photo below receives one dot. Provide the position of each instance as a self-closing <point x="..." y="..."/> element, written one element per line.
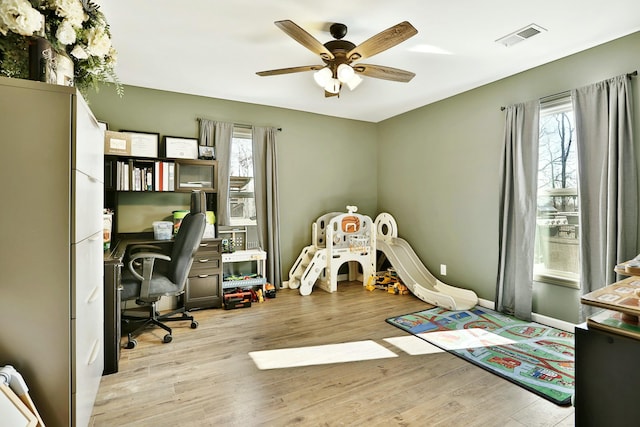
<point x="385" y="73"/>
<point x="290" y="70"/>
<point x="382" y="41"/>
<point x="304" y="38"/>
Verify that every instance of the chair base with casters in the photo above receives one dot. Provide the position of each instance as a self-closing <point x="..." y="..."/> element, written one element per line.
<point x="155" y="319"/>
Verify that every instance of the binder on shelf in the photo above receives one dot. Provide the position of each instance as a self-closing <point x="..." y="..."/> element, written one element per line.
<point x="158" y="176"/>
<point x="172" y="174"/>
<point x="165" y="176"/>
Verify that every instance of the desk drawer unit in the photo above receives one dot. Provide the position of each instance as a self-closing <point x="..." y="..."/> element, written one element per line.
<point x="204" y="287"/>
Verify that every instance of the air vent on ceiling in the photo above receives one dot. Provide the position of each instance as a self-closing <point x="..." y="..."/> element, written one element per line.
<point x="520" y="35"/>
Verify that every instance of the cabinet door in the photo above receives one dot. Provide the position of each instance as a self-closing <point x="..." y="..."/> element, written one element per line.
<point x="88" y="153"/>
<point x="87" y="281"/>
<point x="87" y="326"/>
<point x="606" y="378"/>
<point x="203" y="292"/>
<point x="87" y="202"/>
<point x="195" y="175"/>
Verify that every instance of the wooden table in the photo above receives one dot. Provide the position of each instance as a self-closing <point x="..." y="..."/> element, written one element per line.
<point x="620" y="296"/>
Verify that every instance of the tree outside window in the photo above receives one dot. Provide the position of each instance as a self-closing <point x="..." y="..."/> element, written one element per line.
<point x="556" y="257"/>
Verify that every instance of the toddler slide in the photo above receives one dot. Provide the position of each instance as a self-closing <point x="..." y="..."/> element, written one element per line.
<point x="413" y="273"/>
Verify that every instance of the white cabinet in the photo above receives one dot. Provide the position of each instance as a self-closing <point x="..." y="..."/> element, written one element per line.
<point x="51" y="256"/>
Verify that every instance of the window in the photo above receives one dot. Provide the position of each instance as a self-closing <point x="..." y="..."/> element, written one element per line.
<point x="242" y="205"/>
<point x="557" y="249"/>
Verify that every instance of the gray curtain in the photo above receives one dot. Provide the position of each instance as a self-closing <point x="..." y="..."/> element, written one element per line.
<point x="517" y="222"/>
<point x="265" y="175"/>
<point x="207" y="128"/>
<point x="608" y="191"/>
<point x="219" y="134"/>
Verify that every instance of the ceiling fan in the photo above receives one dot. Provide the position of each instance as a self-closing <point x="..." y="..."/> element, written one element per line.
<point x="340" y="56"/>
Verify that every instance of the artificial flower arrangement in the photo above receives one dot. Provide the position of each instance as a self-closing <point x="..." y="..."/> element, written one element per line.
<point x="75" y="28"/>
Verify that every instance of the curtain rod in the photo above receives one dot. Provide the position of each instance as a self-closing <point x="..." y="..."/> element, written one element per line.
<point x="631" y="74"/>
<point x="242" y="125"/>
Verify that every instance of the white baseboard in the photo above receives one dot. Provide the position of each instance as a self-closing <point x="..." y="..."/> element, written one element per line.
<point x="538" y="318"/>
<point x="486" y="304"/>
<point x="555" y="323"/>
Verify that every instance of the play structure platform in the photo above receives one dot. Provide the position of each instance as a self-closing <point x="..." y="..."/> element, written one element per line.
<point x="336" y="238"/>
<point x="353" y="238"/>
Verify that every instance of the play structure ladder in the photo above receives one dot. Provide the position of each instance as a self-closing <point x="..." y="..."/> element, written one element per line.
<point x="307" y="268"/>
<point x="313" y="271"/>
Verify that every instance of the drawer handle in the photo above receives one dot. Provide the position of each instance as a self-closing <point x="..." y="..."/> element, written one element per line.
<point x="204" y="260"/>
<point x="94" y="295"/>
<point x="94" y="353"/>
<point x="202" y="276"/>
<point x="204" y="245"/>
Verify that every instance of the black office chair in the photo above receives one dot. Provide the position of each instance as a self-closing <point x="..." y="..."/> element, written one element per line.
<point x="152" y="275"/>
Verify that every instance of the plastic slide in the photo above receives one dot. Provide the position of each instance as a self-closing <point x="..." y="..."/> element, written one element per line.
<point x="413" y="273"/>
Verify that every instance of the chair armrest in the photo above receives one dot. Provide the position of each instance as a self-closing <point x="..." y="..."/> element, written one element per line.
<point x="148" y="262"/>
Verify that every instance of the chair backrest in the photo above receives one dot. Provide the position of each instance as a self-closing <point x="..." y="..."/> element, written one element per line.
<point x="198" y="201"/>
<point x="185" y="245"/>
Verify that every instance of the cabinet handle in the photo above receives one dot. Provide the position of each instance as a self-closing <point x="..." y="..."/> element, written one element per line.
<point x="202" y="276"/>
<point x="204" y="260"/>
<point x="94" y="295"/>
<point x="94" y="353"/>
<point x="204" y="245"/>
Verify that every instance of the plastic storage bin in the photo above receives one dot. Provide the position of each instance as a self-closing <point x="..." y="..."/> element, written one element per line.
<point x="162" y="230"/>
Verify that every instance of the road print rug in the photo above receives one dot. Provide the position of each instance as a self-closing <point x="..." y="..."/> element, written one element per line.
<point x="536" y="357"/>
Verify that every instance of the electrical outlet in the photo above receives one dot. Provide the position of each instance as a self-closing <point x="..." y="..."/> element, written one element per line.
<point x="443" y="269"/>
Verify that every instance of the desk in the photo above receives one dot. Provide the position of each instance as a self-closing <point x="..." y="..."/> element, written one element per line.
<point x="204" y="291"/>
<point x="112" y="288"/>
<point x="112" y="328"/>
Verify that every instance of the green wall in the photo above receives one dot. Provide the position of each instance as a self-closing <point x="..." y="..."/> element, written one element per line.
<point x="434" y="168"/>
<point x="325" y="163"/>
<point x="444" y="186"/>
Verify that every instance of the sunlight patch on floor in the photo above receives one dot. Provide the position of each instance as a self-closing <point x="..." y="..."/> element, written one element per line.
<point x="413" y="345"/>
<point x="465" y="338"/>
<point x="320" y="355"/>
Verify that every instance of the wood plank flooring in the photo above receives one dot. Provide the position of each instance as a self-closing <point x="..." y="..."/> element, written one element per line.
<point x="205" y="377"/>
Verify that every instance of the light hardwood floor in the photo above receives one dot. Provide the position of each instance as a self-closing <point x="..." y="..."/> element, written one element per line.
<point x="205" y="377"/>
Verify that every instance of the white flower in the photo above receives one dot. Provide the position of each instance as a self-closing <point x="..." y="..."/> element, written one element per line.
<point x="71" y="10"/>
<point x="79" y="52"/>
<point x="19" y="17"/>
<point x="66" y="34"/>
<point x="112" y="58"/>
<point x="98" y="42"/>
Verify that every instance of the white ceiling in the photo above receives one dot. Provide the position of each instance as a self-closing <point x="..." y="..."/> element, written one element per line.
<point x="214" y="48"/>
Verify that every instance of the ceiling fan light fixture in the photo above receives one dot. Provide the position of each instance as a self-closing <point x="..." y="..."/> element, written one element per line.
<point x="323" y="77"/>
<point x="345" y="72"/>
<point x="333" y="86"/>
<point x="354" y="81"/>
<point x="338" y="55"/>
